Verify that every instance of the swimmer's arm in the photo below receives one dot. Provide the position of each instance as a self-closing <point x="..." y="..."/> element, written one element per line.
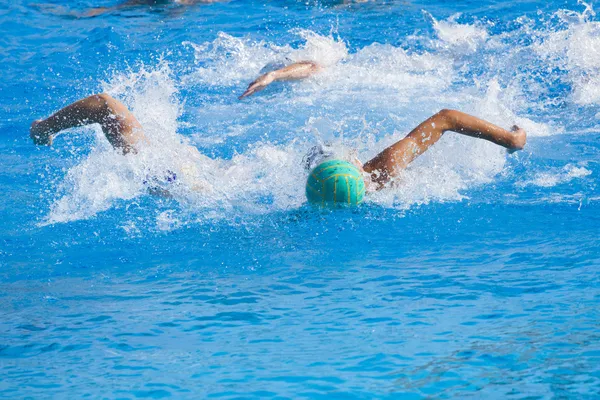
<point x="119" y="125"/>
<point x="299" y="70"/>
<point x="390" y="161"/>
<point x="132" y="3"/>
<point x="94" y="12"/>
<point x="103" y="10"/>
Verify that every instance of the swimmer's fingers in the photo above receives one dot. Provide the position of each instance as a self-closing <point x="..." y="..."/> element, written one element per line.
<point x="258" y="85"/>
<point x="39" y="136"/>
<point x="252" y="88"/>
<point x="519" y="139"/>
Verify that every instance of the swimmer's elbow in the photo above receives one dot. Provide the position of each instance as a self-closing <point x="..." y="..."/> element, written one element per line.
<point x="447" y="113"/>
<point x="104" y="98"/>
<point x="100" y="100"/>
<point x="105" y="103"/>
<point x="447" y="117"/>
<point x="315" y="66"/>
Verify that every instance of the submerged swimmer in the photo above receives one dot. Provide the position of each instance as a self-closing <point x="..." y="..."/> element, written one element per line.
<point x="125" y="134"/>
<point x="134" y="3"/>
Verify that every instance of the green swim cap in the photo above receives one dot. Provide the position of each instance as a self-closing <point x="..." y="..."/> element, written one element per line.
<point x="335" y="182"/>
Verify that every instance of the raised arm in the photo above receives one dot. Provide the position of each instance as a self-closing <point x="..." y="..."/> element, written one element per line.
<point x="119" y="125"/>
<point x="390" y="161"/>
<point x="299" y="70"/>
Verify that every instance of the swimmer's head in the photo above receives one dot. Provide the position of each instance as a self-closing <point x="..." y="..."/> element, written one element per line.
<point x="335" y="182"/>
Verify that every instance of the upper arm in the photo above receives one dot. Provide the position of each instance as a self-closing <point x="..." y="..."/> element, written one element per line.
<point x="397" y="156"/>
<point x="298" y="70"/>
<point x="444" y="120"/>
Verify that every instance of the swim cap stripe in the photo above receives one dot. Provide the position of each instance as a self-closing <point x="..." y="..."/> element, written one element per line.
<point x="348" y="189"/>
<point x="323" y="169"/>
<point x="362" y="192"/>
<point x="335" y="180"/>
<point x="313" y="189"/>
<point x="315" y="172"/>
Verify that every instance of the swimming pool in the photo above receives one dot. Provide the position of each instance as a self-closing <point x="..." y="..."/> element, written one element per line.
<point x="477" y="277"/>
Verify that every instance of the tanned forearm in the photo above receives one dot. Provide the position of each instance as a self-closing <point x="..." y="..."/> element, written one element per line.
<point x="299" y="70"/>
<point x="119" y="125"/>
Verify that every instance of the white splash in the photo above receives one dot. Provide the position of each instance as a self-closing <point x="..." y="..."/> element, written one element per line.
<point x="463" y="38"/>
<point x="366" y="100"/>
<point x="229" y="60"/>
<point x="556" y="176"/>
<point x="575" y="49"/>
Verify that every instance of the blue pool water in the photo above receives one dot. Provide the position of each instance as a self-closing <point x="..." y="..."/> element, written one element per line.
<point x="476" y="277"/>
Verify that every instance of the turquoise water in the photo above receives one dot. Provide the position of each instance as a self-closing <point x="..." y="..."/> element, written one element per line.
<point x="476" y="277"/>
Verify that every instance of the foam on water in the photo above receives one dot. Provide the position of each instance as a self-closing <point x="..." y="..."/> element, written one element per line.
<point x="460" y="37"/>
<point x="556" y="176"/>
<point x="576" y="49"/>
<point x="367" y="100"/>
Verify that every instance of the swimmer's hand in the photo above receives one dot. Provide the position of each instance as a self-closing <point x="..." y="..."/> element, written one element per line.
<point x="519" y="139"/>
<point x="259" y="84"/>
<point x="295" y="71"/>
<point x="39" y="135"/>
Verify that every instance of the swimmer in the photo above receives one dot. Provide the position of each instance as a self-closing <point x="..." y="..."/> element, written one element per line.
<point x="296" y="71"/>
<point x="134" y="3"/>
<point x="387" y="165"/>
<point x="126" y="135"/>
<point x="124" y="132"/>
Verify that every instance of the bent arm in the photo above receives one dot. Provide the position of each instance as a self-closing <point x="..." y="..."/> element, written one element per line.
<point x="119" y="125"/>
<point x="393" y="159"/>
<point x="296" y="71"/>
